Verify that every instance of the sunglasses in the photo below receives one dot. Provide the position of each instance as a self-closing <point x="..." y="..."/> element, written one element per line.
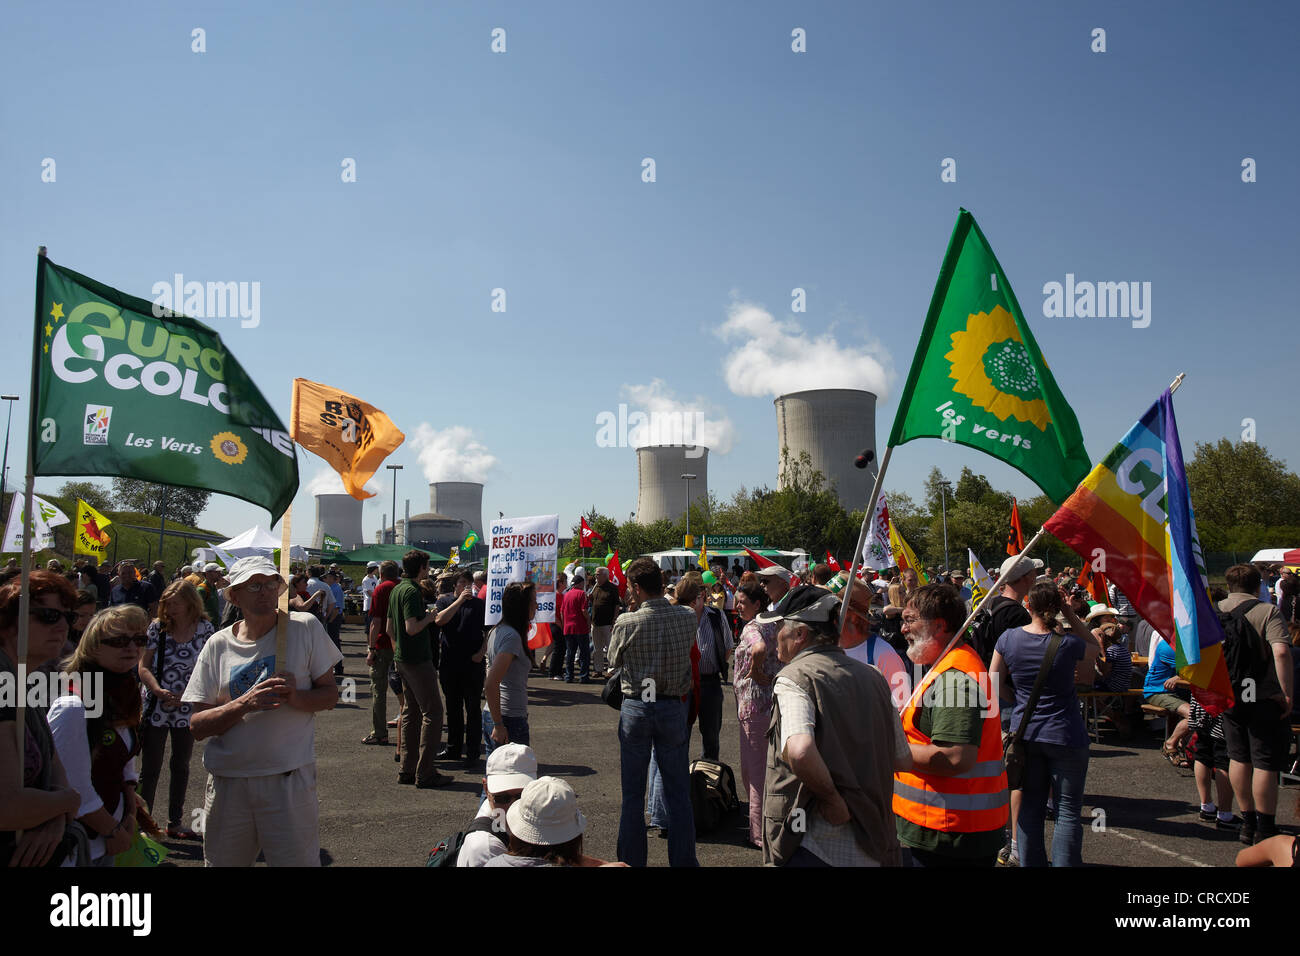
<point x="139" y="640"/>
<point x="52" y="615"/>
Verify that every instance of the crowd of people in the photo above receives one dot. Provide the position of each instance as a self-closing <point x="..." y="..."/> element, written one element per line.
<point x="887" y="735"/>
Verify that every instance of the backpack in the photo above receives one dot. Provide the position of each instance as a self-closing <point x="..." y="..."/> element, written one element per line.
<point x="448" y="851"/>
<point x="1246" y="655"/>
<point x="713" y="794"/>
<point x="983" y="638"/>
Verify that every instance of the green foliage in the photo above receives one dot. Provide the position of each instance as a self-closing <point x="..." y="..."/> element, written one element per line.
<point x="1243" y="497"/>
<point x="87" y="491"/>
<point x="182" y="505"/>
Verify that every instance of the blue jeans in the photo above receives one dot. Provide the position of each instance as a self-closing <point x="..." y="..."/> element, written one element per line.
<point x="654" y="800"/>
<point x="1052" y="768"/>
<point x="577" y="647"/>
<point x="660" y="725"/>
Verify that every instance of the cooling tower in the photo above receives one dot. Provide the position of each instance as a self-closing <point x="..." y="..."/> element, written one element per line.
<point x="432" y="532"/>
<point x="661" y="490"/>
<point x="338" y="516"/>
<point x="833" y="425"/>
<point x="458" y="499"/>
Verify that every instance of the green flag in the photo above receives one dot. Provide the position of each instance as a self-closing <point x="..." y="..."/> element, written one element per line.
<point x="978" y="378"/>
<point x="331" y="543"/>
<point x="122" y="391"/>
<point x="471" y="539"/>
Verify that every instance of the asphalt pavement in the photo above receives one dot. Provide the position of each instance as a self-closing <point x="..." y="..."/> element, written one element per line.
<point x="1140" y="810"/>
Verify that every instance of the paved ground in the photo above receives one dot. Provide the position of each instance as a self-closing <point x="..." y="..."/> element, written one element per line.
<point x="1142" y="810"/>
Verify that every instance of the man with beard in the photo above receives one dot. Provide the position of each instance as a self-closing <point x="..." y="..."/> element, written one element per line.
<point x="952" y="805"/>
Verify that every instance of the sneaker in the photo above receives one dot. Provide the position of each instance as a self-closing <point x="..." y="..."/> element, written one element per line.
<point x="1246" y="836"/>
<point x="1209" y="816"/>
<point x="1009" y="856"/>
<point x="1233" y="825"/>
<point x="406" y="779"/>
<point x="437" y="780"/>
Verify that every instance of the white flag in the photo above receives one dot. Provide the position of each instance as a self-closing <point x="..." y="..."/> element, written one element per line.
<point x="876" y="552"/>
<point x="47" y="517"/>
<point x="980" y="582"/>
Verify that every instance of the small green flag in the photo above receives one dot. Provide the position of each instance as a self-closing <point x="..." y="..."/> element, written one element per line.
<point x="123" y="391"/>
<point x="471" y="539"/>
<point x="331" y="544"/>
<point x="978" y="378"/>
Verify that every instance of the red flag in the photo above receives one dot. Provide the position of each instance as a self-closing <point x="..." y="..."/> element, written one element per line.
<point x="539" y="635"/>
<point x="1096" y="584"/>
<point x="761" y="561"/>
<point x="1015" y="537"/>
<point x="832" y="563"/>
<point x="586" y="533"/>
<point x="616" y="573"/>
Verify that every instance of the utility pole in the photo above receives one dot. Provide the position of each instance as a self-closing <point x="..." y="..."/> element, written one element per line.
<point x="394" y="469"/>
<point x="944" y="488"/>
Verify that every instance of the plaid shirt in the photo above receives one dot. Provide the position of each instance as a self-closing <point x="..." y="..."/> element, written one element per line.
<point x="654" y="642"/>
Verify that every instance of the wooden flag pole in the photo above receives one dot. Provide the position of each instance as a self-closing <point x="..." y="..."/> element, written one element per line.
<point x="282" y="616"/>
<point x="862" y="535"/>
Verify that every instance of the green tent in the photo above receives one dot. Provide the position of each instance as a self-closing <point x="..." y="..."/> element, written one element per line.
<point x="382" y="552"/>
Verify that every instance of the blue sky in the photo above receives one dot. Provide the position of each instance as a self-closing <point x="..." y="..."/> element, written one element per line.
<point x="774" y="170"/>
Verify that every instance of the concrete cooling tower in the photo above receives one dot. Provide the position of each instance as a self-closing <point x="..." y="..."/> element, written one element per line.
<point x="661" y="490"/>
<point x="833" y="425"/>
<point x="338" y="516"/>
<point x="458" y="499"/>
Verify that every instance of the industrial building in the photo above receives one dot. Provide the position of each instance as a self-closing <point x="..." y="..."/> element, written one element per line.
<point x="661" y="490"/>
<point x="340" y="517"/>
<point x="834" y="426"/>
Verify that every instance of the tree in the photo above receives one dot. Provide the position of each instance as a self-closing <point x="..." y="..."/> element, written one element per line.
<point x="87" y="491"/>
<point x="1234" y="485"/>
<point x="183" y="505"/>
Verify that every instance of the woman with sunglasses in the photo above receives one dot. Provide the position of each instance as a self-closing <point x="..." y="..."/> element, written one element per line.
<point x="44" y="804"/>
<point x="175" y="638"/>
<point x="95" y="730"/>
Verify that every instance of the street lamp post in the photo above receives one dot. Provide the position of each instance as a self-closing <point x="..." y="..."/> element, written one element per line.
<point x="944" y="488"/>
<point x="4" y="472"/>
<point x="395" y="469"/>
<point x="688" y="479"/>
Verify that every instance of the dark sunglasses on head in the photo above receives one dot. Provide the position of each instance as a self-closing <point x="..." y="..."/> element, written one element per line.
<point x="52" y="615"/>
<point x="139" y="640"/>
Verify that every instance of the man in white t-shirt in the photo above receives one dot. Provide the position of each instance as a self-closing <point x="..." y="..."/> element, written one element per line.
<point x="510" y="768"/>
<point x="368" y="585"/>
<point x="258" y="716"/>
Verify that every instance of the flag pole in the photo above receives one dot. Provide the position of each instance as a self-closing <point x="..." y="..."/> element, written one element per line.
<point x="862" y="535"/>
<point x="24" y="592"/>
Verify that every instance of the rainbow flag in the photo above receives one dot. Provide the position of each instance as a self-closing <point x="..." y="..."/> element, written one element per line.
<point x="1135" y="508"/>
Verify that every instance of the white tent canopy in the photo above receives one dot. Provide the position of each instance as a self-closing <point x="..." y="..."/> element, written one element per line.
<point x="1274" y="555"/>
<point x="255" y="540"/>
<point x="668" y="560"/>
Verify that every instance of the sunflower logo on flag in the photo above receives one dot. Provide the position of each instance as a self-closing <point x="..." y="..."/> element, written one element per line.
<point x="228" y="447"/>
<point x="992" y="368"/>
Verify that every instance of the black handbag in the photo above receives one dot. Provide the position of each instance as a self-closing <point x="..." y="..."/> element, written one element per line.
<point x="1013" y="748"/>
<point x="612" y="692"/>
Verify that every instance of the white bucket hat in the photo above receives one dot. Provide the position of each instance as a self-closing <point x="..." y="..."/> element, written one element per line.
<point x="546" y="813"/>
<point x="245" y="568"/>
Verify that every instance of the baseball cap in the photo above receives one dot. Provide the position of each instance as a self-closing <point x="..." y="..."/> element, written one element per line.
<point x="807" y="604"/>
<point x="372" y="564"/>
<point x="1015" y="568"/>
<point x="774" y="571"/>
<point x="546" y="813"/>
<point x="511" y="767"/>
<point x="579" y="573"/>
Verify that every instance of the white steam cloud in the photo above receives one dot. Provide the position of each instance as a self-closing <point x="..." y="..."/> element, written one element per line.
<point x="451" y="454"/>
<point x="326" y="481"/>
<point x="775" y="358"/>
<point x="671" y="421"/>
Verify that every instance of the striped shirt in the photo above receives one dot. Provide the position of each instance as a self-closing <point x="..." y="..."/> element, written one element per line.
<point x="654" y="643"/>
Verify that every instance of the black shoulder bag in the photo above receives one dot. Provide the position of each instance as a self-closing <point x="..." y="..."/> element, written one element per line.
<point x="1013" y="748"/>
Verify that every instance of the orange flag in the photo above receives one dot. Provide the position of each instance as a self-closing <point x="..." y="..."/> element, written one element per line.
<point x="1095" y="582"/>
<point x="1015" y="537"/>
<point x="353" y="436"/>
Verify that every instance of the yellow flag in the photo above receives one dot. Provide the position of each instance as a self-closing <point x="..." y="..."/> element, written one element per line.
<point x="903" y="556"/>
<point x="90" y="536"/>
<point x="353" y="436"/>
<point x="980" y="581"/>
<point x="704" y="553"/>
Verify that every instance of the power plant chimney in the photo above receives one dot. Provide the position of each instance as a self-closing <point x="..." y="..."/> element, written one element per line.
<point x="661" y="490"/>
<point x="834" y="426"/>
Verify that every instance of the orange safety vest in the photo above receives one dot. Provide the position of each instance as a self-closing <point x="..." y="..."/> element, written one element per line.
<point x="973" y="802"/>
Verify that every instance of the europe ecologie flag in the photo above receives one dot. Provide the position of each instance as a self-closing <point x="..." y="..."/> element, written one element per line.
<point x="123" y="391"/>
<point x="1135" y="507"/>
<point x="978" y="378"/>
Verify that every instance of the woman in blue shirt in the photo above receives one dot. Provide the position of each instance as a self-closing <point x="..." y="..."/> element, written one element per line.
<point x="1056" y="740"/>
